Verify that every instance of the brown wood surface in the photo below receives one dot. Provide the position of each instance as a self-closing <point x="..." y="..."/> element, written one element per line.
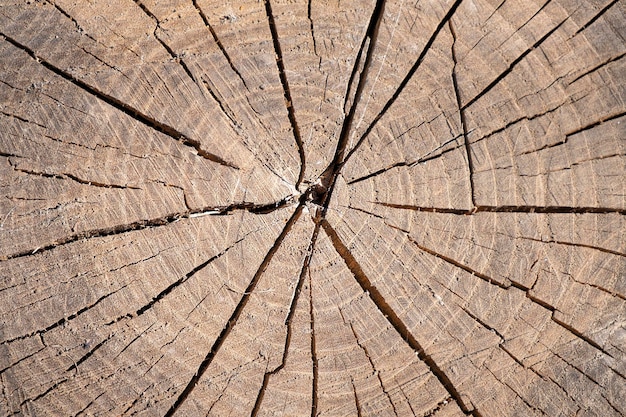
<point x="289" y="208"/>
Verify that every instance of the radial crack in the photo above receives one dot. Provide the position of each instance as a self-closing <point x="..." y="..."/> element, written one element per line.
<point x="388" y="312"/>
<point x="429" y="156"/>
<point x="406" y="79"/>
<point x="292" y="309"/>
<point x="513" y="64"/>
<point x="510" y="283"/>
<point x="122" y="106"/>
<point x="371" y="362"/>
<point x="597" y="16"/>
<point x="369" y="39"/>
<point x="73" y="177"/>
<point x="88" y="354"/>
<point x="169" y="50"/>
<point x="314" y="361"/>
<point x="457" y="93"/>
<point x="63" y="320"/>
<point x="232" y="321"/>
<point x="218" y="42"/>
<point x="157" y="222"/>
<point x="508" y="209"/>
<point x="286" y="90"/>
<point x="597" y="67"/>
<point x="157" y="298"/>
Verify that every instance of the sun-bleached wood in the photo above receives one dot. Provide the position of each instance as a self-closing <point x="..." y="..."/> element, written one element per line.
<point x="281" y="208"/>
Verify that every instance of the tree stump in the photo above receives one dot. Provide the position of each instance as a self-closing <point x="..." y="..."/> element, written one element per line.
<point x="298" y="208"/>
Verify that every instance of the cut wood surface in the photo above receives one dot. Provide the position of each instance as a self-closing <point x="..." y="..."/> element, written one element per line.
<point x="289" y="208"/>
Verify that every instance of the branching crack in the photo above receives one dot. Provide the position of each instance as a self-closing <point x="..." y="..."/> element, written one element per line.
<point x="218" y="42"/>
<point x="510" y="283"/>
<point x="431" y="155"/>
<point x="457" y="92"/>
<point x="371" y="362"/>
<point x="169" y="50"/>
<point x="122" y="106"/>
<point x="292" y="309"/>
<point x="508" y="209"/>
<point x="406" y="79"/>
<point x="232" y="321"/>
<point x="597" y="67"/>
<point x="73" y="177"/>
<point x="286" y="91"/>
<point x="63" y="320"/>
<point x="158" y="222"/>
<point x="512" y="65"/>
<point x="597" y="16"/>
<point x="391" y="316"/>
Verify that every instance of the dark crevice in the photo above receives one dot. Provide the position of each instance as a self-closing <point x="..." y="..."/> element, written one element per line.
<point x="21" y="119"/>
<point x="89" y="405"/>
<point x="144" y="331"/>
<point x="169" y="50"/>
<point x="597" y="16"/>
<point x="313" y="346"/>
<point x="286" y="91"/>
<point x="597" y="67"/>
<point x="388" y="312"/>
<point x="63" y="320"/>
<point x="359" y="413"/>
<point x="518" y="120"/>
<point x="10" y="155"/>
<point x="99" y="184"/>
<point x="232" y="321"/>
<point x="406" y="79"/>
<point x="457" y="93"/>
<point x="369" y="213"/>
<point x="21" y="360"/>
<point x="594" y="124"/>
<point x="123" y="107"/>
<point x="513" y="284"/>
<point x="46" y="392"/>
<point x="509" y="209"/>
<point x="581" y="336"/>
<point x="73" y="177"/>
<point x="87" y="355"/>
<point x="484" y="324"/>
<point x="512" y="65"/>
<point x="218" y="42"/>
<point x="292" y="310"/>
<point x="329" y="176"/>
<point x="579" y="245"/>
<point x="157" y="222"/>
<point x="359" y="67"/>
<point x="431" y="155"/>
<point x="575" y="132"/>
<point x="74" y="21"/>
<point x="457" y="264"/>
<point x="223" y="106"/>
<point x="519" y="29"/>
<point x="308" y="14"/>
<point x="157" y="298"/>
<point x="65" y="175"/>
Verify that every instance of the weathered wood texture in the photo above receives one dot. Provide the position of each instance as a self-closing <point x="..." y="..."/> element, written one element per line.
<point x="288" y="208"/>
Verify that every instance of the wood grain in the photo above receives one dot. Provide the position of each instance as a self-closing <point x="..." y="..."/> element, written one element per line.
<point x="313" y="208"/>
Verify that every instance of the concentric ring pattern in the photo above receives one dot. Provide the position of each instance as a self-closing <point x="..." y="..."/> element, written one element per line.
<point x="297" y="208"/>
